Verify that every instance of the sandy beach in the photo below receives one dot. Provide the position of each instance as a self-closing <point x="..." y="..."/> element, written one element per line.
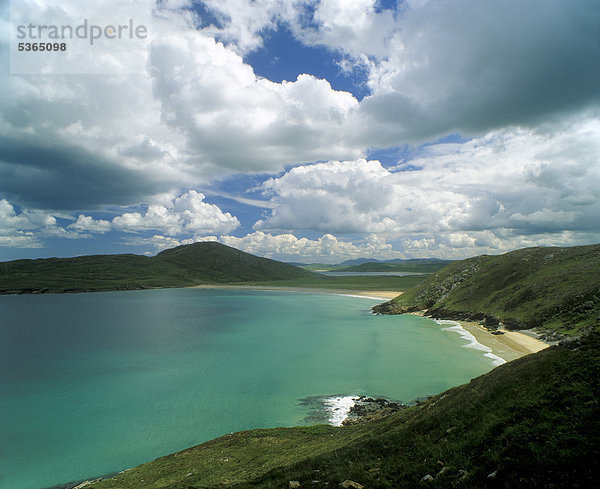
<point x="508" y="346"/>
<point x="384" y="295"/>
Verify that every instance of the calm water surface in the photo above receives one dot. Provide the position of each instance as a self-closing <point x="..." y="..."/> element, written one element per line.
<point x="96" y="383"/>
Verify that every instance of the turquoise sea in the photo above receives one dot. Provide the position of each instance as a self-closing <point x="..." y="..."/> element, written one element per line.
<point x="92" y="384"/>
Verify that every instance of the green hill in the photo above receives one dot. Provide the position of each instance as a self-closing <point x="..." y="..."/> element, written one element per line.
<point x="198" y="263"/>
<point x="557" y="289"/>
<point x="531" y="423"/>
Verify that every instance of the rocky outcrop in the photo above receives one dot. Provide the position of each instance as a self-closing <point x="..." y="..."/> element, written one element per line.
<point x="369" y="409"/>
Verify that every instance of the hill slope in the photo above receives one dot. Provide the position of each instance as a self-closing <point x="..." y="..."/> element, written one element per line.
<point x="531" y="423"/>
<point x="198" y="263"/>
<point x="555" y="288"/>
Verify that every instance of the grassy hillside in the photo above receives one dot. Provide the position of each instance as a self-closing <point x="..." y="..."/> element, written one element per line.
<point x="198" y="263"/>
<point x="532" y="423"/>
<point x="554" y="288"/>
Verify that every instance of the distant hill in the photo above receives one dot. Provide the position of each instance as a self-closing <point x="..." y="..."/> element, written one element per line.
<point x="554" y="288"/>
<point x="426" y="265"/>
<point x="198" y="263"/>
<point x="358" y="261"/>
<point x="531" y="423"/>
<point x="418" y="265"/>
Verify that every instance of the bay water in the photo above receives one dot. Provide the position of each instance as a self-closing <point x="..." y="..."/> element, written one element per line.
<point x="91" y="384"/>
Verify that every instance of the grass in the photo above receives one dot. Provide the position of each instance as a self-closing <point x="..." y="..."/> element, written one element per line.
<point x="533" y="423"/>
<point x="554" y="288"/>
<point x="197" y="264"/>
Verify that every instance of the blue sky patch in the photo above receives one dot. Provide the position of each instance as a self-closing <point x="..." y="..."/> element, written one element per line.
<point x="283" y="57"/>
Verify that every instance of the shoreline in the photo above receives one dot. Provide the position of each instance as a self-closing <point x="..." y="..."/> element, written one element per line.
<point x="508" y="346"/>
<point x="384" y="295"/>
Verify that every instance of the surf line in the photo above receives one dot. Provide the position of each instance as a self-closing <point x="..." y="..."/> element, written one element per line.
<point x="455" y="327"/>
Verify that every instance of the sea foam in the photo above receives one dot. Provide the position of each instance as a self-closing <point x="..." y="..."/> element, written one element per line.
<point x="338" y="408"/>
<point x="472" y="341"/>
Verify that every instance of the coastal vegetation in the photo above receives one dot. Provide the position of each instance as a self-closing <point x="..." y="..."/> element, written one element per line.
<point x="183" y="266"/>
<point x="533" y="422"/>
<point x="556" y="290"/>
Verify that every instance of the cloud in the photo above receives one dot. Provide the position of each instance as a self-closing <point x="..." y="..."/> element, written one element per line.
<point x="327" y="248"/>
<point x="434" y="67"/>
<point x="286" y="247"/>
<point x="74" y="142"/>
<point x="460" y="66"/>
<point x="513" y="184"/>
<point x="158" y="242"/>
<point x="185" y="214"/>
<point x="88" y="224"/>
<point x="336" y="197"/>
<point x="521" y="79"/>
<point x="441" y="66"/>
<point x="24" y="229"/>
<point x="212" y="98"/>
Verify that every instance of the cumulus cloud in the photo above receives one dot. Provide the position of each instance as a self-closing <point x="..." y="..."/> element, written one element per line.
<point x="327" y="248"/>
<point x="89" y="224"/>
<point x="510" y="184"/>
<point x="434" y="67"/>
<point x="158" y="242"/>
<point x="72" y="142"/>
<point x="186" y="214"/>
<point x="512" y="76"/>
<point x="25" y="229"/>
<point x="357" y="27"/>
<point x="442" y="66"/>
<point x="287" y="247"/>
<point x="209" y="95"/>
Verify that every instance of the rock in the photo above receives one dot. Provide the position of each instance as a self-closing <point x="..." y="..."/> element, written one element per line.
<point x="492" y="475"/>
<point x="348" y="484"/>
<point x="294" y="484"/>
<point x="427" y="478"/>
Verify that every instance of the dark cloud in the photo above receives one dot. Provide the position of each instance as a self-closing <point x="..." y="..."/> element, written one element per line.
<point x="47" y="176"/>
<point x="475" y="66"/>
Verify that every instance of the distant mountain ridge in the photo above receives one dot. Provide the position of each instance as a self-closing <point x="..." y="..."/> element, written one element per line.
<point x="417" y="265"/>
<point x="194" y="264"/>
<point x="554" y="288"/>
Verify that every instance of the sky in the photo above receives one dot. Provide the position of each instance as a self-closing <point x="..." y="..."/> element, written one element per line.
<point x="303" y="130"/>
